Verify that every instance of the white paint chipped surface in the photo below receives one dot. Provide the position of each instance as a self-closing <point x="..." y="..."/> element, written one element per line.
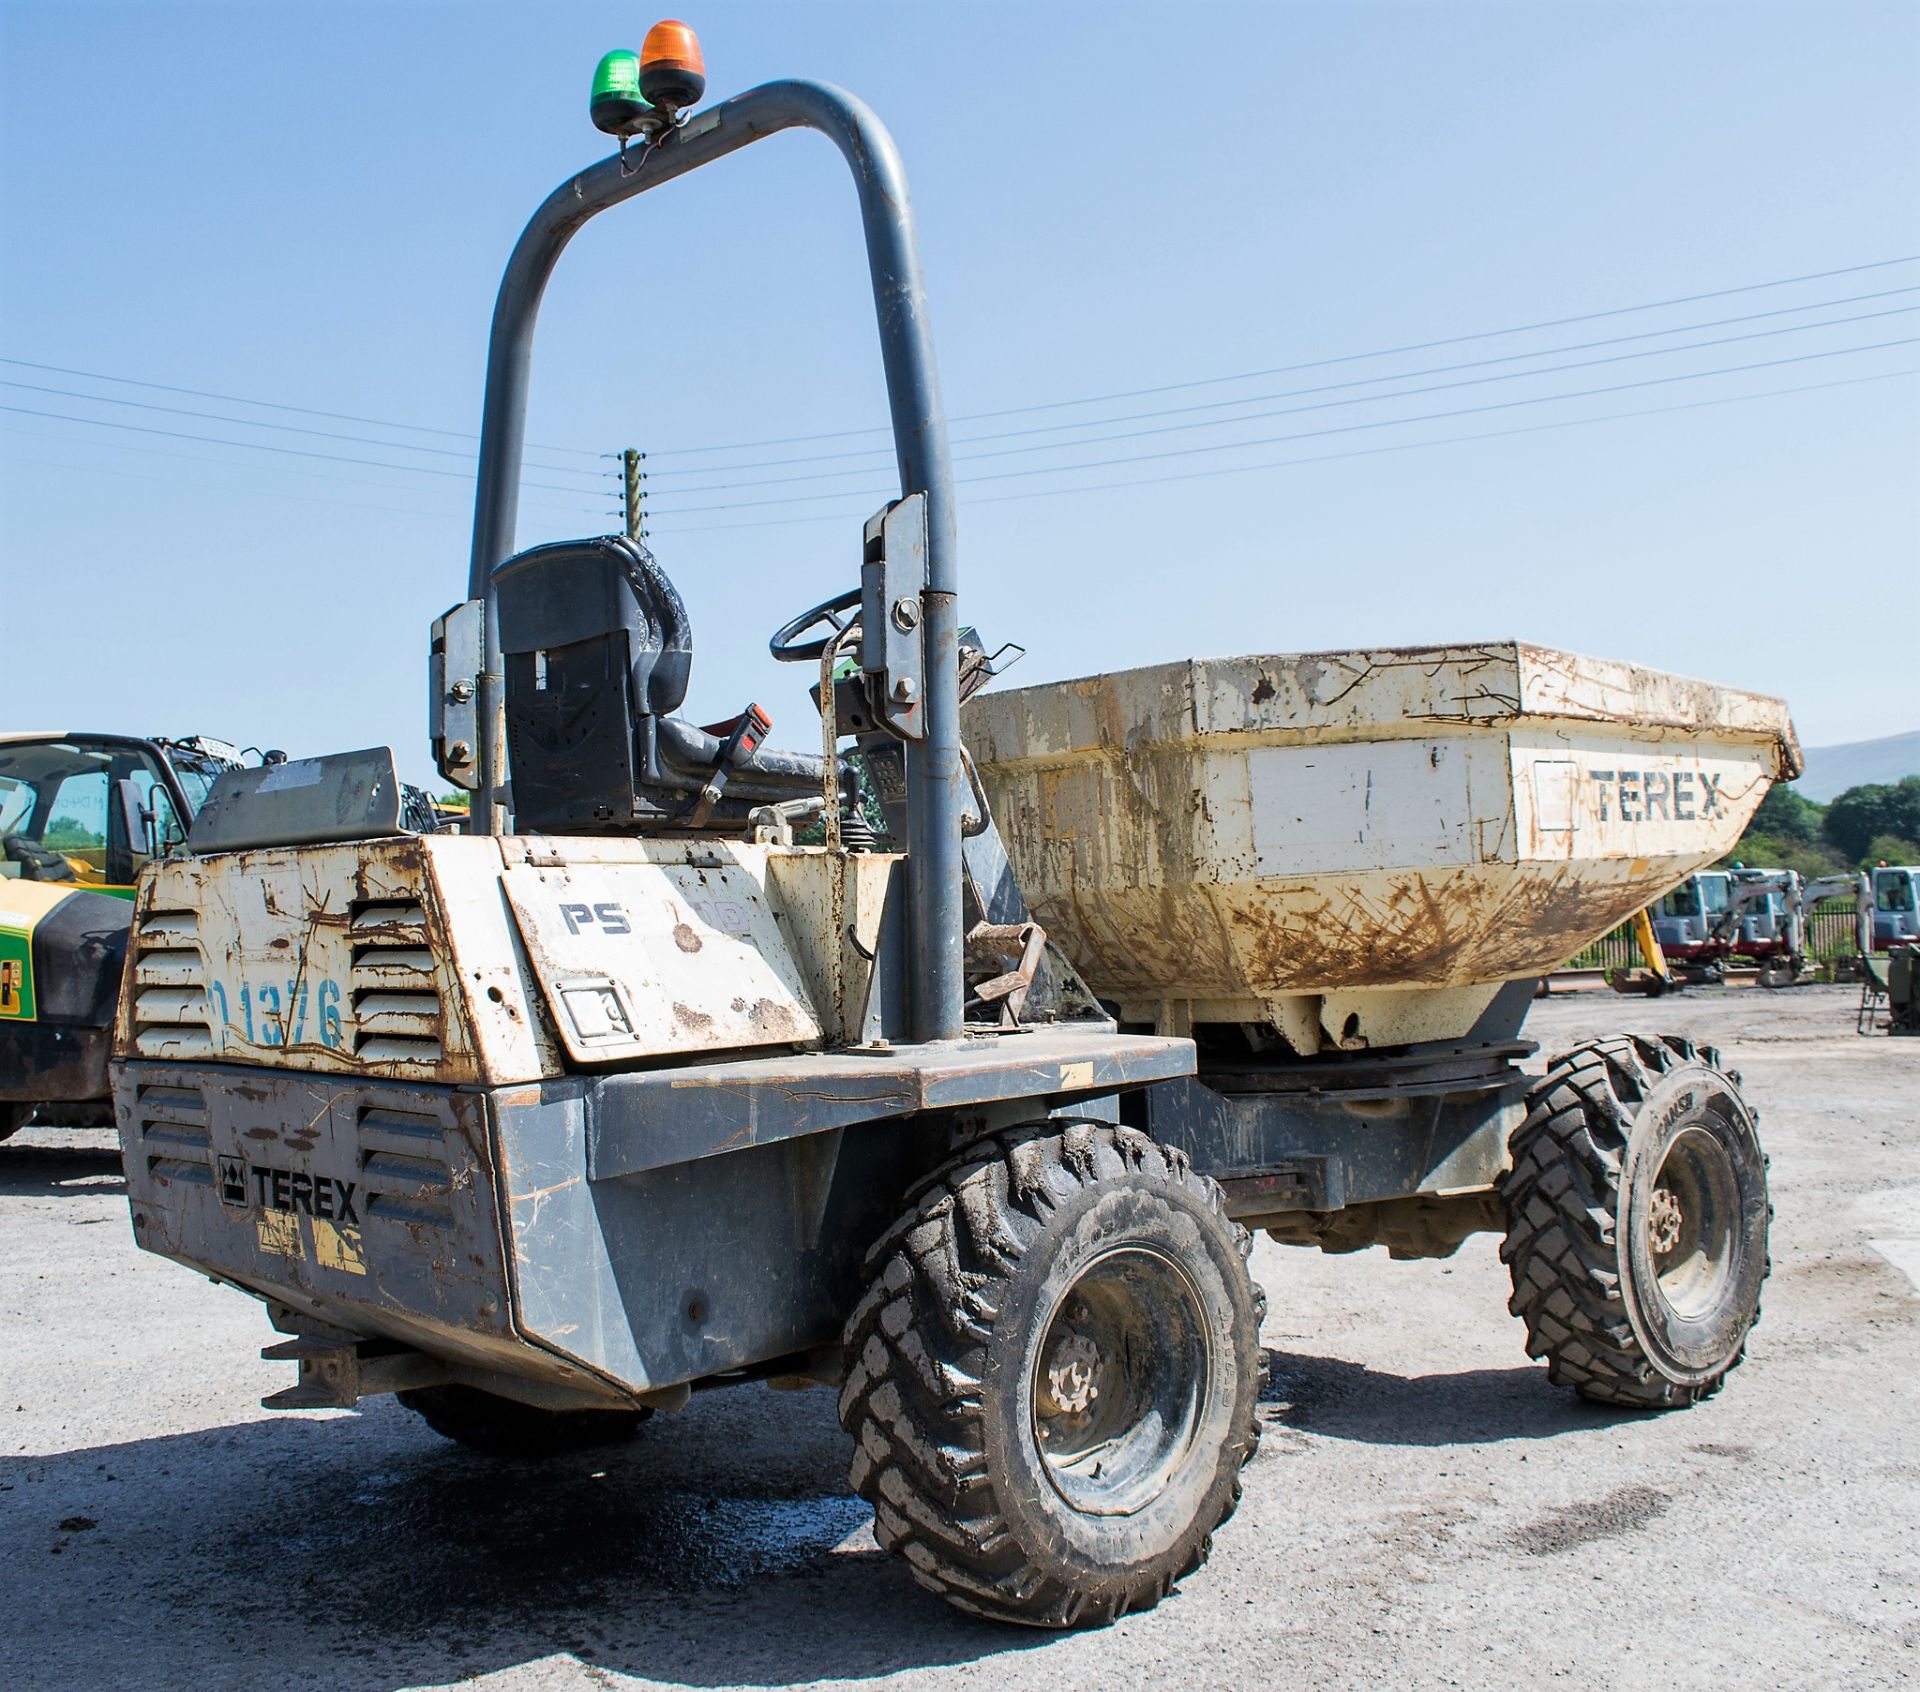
<point x="1231" y="833"/>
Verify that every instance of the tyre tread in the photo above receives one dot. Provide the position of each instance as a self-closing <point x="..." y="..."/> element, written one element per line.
<point x="1561" y="1247"/>
<point x="912" y="1397"/>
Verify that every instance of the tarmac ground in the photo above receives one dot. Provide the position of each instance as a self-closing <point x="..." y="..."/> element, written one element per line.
<point x="1426" y="1510"/>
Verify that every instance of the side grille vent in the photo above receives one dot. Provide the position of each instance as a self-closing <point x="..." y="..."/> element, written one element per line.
<point x="172" y="1121"/>
<point x="397" y="1015"/>
<point x="404" y="1158"/>
<point x="170" y="1018"/>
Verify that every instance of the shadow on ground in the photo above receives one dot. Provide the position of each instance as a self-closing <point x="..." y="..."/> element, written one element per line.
<point x="719" y="1548"/>
<point x="1342" y="1400"/>
<point x="38" y="1171"/>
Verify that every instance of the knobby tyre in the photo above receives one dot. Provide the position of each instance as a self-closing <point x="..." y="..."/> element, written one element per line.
<point x="1052" y="1378"/>
<point x="1637" y="1221"/>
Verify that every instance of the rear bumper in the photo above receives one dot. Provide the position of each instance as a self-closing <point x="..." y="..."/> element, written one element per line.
<point x="53" y="1063"/>
<point x="366" y="1209"/>
<point x="466" y="1225"/>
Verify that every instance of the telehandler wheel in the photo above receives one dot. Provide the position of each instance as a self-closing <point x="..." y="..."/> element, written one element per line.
<point x="504" y="1427"/>
<point x="1637" y="1218"/>
<point x="1051" y="1381"/>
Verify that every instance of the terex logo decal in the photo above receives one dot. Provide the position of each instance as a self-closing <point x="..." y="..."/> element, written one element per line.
<point x="296" y="1190"/>
<point x="233" y="1182"/>
<point x="1644" y="795"/>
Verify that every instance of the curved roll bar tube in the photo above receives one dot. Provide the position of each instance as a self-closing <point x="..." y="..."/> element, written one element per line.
<point x="935" y="780"/>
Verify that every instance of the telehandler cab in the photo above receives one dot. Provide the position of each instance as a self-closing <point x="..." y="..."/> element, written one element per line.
<point x="622" y="1095"/>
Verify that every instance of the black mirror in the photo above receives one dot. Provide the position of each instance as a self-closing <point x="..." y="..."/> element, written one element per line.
<point x="135" y="821"/>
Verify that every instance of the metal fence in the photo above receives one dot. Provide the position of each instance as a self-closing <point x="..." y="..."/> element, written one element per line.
<point x="1831" y="936"/>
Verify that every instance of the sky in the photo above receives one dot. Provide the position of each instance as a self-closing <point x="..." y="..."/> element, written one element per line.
<point x="1303" y="244"/>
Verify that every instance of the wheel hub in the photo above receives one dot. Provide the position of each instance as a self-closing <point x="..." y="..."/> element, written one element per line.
<point x="1665" y="1219"/>
<point x="1121" y="1381"/>
<point x="1072" y="1375"/>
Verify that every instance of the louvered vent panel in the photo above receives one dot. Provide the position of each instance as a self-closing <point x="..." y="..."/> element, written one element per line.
<point x="170" y="1017"/>
<point x="172" y="1121"/>
<point x="397" y="1014"/>
<point x="404" y="1158"/>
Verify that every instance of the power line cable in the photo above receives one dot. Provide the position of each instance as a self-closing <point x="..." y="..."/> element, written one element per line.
<point x="275" y="405"/>
<point x="449" y="452"/>
<point x="462" y="509"/>
<point x="464" y="454"/>
<point x="1322" y="405"/>
<point x="1312" y="434"/>
<point x="1131" y="482"/>
<point x="1321" y="363"/>
<point x="1009" y="411"/>
<point x="93" y="471"/>
<point x="1320" y="388"/>
<point x="1466" y="382"/>
<point x="261" y="446"/>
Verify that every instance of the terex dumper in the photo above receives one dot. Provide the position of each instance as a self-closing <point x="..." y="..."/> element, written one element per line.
<point x="547" y="1126"/>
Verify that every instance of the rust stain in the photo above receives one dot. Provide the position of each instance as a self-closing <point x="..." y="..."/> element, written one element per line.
<point x="685" y="937"/>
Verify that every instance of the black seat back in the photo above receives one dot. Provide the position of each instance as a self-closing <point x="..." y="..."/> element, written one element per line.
<point x="598" y="650"/>
<point x="596" y="643"/>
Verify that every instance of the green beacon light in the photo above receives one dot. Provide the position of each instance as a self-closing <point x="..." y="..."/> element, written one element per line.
<point x="618" y="107"/>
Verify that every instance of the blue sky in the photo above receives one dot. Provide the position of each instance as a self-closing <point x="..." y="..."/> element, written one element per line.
<point x="311" y="206"/>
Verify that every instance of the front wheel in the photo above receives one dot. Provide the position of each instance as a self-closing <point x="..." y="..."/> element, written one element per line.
<point x="1052" y="1379"/>
<point x="1637" y="1219"/>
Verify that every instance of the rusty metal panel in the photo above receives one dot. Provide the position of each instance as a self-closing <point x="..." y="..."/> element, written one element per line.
<point x="676" y="1273"/>
<point x="655" y="1117"/>
<point x="369" y="1207"/>
<point x="645" y="957"/>
<point x="270" y="957"/>
<point x="386" y="958"/>
<point x="1229" y="839"/>
<point x="831" y="906"/>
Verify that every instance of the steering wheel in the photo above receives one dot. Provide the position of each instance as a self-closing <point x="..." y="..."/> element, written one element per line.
<point x="836" y="613"/>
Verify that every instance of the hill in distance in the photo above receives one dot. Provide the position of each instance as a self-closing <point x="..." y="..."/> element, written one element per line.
<point x="1831" y="770"/>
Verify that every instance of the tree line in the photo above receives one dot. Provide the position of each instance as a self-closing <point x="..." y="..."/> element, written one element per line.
<point x="1876" y="823"/>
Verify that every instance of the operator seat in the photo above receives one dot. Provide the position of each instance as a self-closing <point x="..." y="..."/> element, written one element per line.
<point x="598" y="651"/>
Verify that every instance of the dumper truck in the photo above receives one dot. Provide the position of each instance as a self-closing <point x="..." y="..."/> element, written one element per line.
<point x="622" y="1095"/>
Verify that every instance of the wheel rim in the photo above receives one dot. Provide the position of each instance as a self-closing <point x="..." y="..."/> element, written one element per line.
<point x="1120" y="1381"/>
<point x="1693" y="1217"/>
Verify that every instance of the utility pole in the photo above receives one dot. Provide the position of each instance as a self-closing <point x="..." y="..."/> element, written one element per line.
<point x="633" y="500"/>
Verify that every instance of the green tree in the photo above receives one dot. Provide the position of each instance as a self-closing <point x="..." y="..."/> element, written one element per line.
<point x="1861" y="813"/>
<point x="1788" y="815"/>
<point x="1889" y="849"/>
<point x="1758" y="850"/>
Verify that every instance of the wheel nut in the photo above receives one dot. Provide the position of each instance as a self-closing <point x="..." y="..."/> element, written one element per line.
<point x="1072" y="1374"/>
<point x="1663" y="1221"/>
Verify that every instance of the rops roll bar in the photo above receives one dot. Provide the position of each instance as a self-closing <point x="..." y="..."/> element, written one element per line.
<point x="935" y="779"/>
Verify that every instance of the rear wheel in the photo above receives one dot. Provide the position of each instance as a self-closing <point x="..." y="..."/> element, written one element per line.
<point x="504" y="1427"/>
<point x="1051" y="1381"/>
<point x="1637" y="1221"/>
